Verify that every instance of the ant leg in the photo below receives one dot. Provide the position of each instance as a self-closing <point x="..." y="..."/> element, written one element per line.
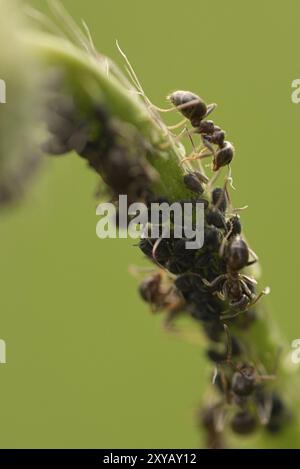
<point x="249" y="280"/>
<point x="215" y="283"/>
<point x="196" y="152"/>
<point x="246" y="289"/>
<point x="223" y="244"/>
<point x="204" y="152"/>
<point x="251" y="262"/>
<point x="225" y="316"/>
<point x="267" y="377"/>
<point x="177" y="139"/>
<point x="159" y="109"/>
<point x="242" y="304"/>
<point x="224" y="383"/>
<point x="229" y="181"/>
<point x="176" y="108"/>
<point x="176" y="126"/>
<point x="224" y="241"/>
<point x="209" y="146"/>
<point x="239" y="209"/>
<point x="194" y="157"/>
<point x="222" y="197"/>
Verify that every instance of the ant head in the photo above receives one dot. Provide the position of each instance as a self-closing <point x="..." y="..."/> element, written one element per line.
<point x="234" y="225"/>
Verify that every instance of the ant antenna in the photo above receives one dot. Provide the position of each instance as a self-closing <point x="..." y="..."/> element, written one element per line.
<point x="131" y="72"/>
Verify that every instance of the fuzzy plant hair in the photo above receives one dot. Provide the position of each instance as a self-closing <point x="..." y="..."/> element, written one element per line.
<point x="94" y="109"/>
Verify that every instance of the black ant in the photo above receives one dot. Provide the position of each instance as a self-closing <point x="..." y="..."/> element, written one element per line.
<point x="195" y="110"/>
<point x="234" y="287"/>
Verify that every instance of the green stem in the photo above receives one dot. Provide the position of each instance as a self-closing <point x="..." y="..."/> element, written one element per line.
<point x="89" y="83"/>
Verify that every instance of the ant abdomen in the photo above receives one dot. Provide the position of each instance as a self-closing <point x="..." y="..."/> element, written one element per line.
<point x="190" y="105"/>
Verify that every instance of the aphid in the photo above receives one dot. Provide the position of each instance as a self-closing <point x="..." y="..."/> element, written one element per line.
<point x="186" y="284"/>
<point x="216" y="218"/>
<point x="146" y="246"/>
<point x="181" y="258"/>
<point x="243" y="422"/>
<point x="194" y="202"/>
<point x="203" y="306"/>
<point x="191" y="106"/>
<point x="214" y="330"/>
<point x="234" y="287"/>
<point x="192" y="183"/>
<point x="233" y="349"/>
<point x="216" y="356"/>
<point x="212" y="238"/>
<point x="234" y="226"/>
<point x="219" y="199"/>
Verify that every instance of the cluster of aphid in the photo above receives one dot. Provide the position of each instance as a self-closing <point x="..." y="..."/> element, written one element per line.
<point x="210" y="284"/>
<point x="115" y="151"/>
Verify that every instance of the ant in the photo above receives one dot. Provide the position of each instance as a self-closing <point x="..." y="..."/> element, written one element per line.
<point x="193" y="108"/>
<point x="234" y="287"/>
<point x="196" y="111"/>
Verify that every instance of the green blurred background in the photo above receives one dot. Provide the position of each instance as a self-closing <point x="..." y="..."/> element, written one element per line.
<point x="87" y="364"/>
